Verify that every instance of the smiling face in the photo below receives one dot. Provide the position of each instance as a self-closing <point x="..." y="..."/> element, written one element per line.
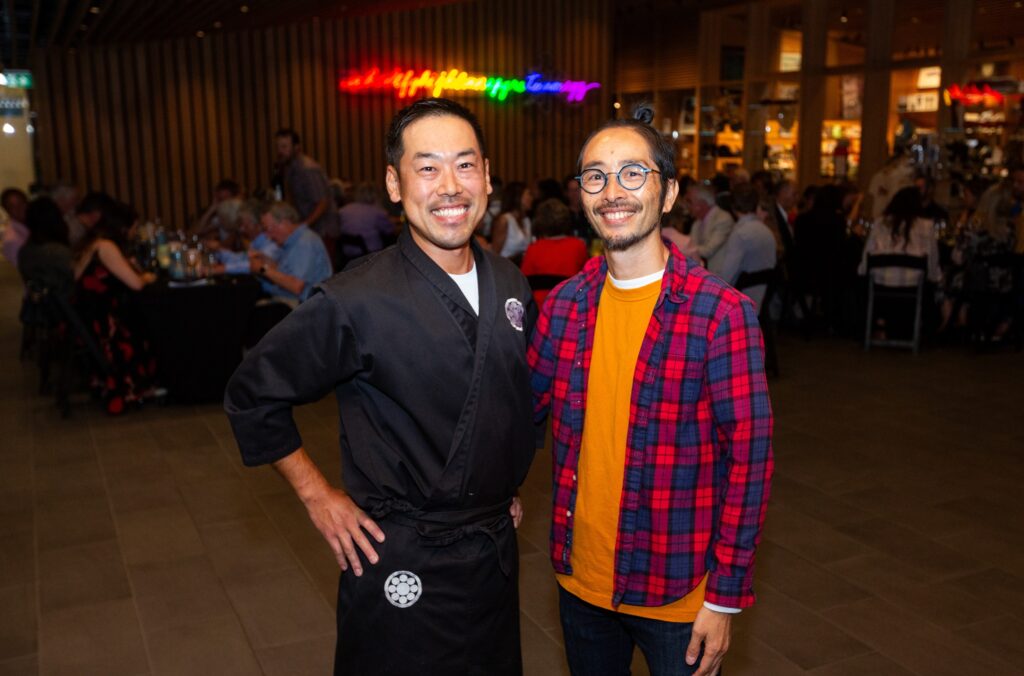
<point x="624" y="218"/>
<point x="442" y="182"/>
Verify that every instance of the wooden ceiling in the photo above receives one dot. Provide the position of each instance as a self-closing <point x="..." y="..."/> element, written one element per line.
<point x="28" y="25"/>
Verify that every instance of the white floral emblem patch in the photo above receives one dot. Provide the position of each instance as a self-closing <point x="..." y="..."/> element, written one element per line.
<point x="403" y="588"/>
<point x="514" y="311"/>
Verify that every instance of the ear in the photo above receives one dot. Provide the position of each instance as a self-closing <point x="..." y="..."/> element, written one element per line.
<point x="487" y="175"/>
<point x="671" y="192"/>
<point x="393" y="184"/>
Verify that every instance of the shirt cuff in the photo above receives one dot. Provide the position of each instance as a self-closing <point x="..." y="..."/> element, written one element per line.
<point x="721" y="609"/>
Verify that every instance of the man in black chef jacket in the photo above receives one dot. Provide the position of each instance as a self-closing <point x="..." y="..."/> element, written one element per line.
<point x="424" y="345"/>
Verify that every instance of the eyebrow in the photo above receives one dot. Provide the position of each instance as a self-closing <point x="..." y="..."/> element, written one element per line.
<point x="437" y="156"/>
<point x="598" y="163"/>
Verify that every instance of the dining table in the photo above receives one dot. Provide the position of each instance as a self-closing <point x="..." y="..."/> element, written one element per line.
<point x="197" y="329"/>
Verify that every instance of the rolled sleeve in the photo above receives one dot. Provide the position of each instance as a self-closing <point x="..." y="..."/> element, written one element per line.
<point x="743" y="422"/>
<point x="298" y="362"/>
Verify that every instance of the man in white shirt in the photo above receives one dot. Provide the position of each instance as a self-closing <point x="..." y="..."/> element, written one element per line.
<point x="750" y="246"/>
<point x="712" y="225"/>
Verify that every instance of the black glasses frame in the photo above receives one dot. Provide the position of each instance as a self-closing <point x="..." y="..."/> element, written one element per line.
<point x="618" y="177"/>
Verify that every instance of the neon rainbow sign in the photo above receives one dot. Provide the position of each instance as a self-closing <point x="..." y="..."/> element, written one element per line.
<point x="409" y="83"/>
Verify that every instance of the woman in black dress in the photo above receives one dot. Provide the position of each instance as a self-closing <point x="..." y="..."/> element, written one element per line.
<point x="104" y="281"/>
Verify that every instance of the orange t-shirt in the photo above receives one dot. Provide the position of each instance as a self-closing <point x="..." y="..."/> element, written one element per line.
<point x="622" y="321"/>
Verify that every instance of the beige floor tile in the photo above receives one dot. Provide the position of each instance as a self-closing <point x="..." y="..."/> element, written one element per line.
<point x="1000" y="637"/>
<point x="16" y="511"/>
<point x="862" y="665"/>
<point x="56" y="453"/>
<point x="185" y="433"/>
<point x="20" y="666"/>
<point x="142" y="487"/>
<point x="159" y="534"/>
<point x="320" y="565"/>
<point x="199" y="464"/>
<point x="219" y="500"/>
<point x="280" y="607"/>
<point x="910" y="547"/>
<point x="129" y="451"/>
<point x="61" y="524"/>
<point x="245" y="547"/>
<point x="800" y="635"/>
<point x="312" y="656"/>
<point x="807" y="537"/>
<point x="995" y="585"/>
<point x="749" y="657"/>
<point x="900" y="636"/>
<point x="175" y="593"/>
<point x="538" y="590"/>
<point x="68" y="482"/>
<point x="17" y="559"/>
<point x="802" y="580"/>
<point x="17" y="621"/>
<point x="542" y="655"/>
<point x="99" y="639"/>
<point x="81" y="574"/>
<point x="204" y="646"/>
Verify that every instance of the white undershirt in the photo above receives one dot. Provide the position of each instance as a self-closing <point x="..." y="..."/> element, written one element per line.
<point x="470" y="288"/>
<point x="638" y="282"/>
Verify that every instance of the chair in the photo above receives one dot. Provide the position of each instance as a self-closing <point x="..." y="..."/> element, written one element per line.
<point x="769" y="279"/>
<point x="907" y="293"/>
<point x="351" y="242"/>
<point x="544" y="282"/>
<point x="46" y="310"/>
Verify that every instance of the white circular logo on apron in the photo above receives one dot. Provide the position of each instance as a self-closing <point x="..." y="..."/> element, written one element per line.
<point x="403" y="588"/>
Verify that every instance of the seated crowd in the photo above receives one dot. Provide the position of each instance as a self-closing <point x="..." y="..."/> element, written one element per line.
<point x="810" y="251"/>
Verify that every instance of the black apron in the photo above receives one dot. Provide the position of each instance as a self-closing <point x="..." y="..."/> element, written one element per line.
<point x="443" y="598"/>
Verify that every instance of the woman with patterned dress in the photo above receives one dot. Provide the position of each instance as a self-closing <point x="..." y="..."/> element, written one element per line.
<point x="104" y="281"/>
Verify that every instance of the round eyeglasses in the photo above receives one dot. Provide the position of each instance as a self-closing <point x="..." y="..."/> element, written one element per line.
<point x="630" y="177"/>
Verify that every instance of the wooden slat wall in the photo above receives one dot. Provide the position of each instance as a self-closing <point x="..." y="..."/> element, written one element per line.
<point x="157" y="124"/>
<point x="657" y="51"/>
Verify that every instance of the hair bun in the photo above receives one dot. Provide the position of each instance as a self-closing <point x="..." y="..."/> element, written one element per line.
<point x="643" y="112"/>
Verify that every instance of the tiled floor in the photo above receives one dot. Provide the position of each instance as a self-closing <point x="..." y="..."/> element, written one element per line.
<point x="140" y="545"/>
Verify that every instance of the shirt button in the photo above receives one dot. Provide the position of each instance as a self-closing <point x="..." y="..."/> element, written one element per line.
<point x="568" y="512"/>
<point x="574" y="477"/>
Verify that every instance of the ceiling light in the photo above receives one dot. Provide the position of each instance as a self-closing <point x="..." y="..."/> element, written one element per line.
<point x="30" y="129"/>
<point x="616" y="105"/>
<point x="217" y="24"/>
<point x="200" y="34"/>
<point x="8" y="128"/>
<point x="244" y="9"/>
<point x="94" y="10"/>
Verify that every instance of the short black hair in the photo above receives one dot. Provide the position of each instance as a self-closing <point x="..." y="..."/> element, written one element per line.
<point x="229" y="185"/>
<point x="745" y="198"/>
<point x="45" y="222"/>
<point x="95" y="201"/>
<point x="12" y="192"/>
<point x="663" y="152"/>
<point x="552" y="218"/>
<point x="433" y="107"/>
<point x="290" y="133"/>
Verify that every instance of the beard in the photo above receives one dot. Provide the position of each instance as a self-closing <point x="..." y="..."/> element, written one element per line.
<point x="626" y="242"/>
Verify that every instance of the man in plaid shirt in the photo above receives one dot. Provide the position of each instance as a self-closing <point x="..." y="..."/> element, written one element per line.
<point x="653" y="369"/>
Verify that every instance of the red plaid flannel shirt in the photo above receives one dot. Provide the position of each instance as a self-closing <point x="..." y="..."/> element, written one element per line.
<point x="699" y="455"/>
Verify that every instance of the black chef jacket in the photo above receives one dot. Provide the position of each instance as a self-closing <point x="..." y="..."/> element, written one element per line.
<point x="435" y="417"/>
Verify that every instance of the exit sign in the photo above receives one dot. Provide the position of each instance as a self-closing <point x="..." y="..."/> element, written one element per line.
<point x="17" y="79"/>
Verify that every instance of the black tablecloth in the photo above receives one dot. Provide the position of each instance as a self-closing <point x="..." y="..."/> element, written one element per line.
<point x="197" y="333"/>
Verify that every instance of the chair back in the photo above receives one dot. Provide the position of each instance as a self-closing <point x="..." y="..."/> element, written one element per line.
<point x="545" y="282"/>
<point x="897" y="261"/>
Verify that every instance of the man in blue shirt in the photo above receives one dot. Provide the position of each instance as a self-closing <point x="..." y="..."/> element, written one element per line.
<point x="237" y="262"/>
<point x="303" y="262"/>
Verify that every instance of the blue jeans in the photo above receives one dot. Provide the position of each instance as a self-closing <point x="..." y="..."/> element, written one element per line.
<point x="600" y="642"/>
